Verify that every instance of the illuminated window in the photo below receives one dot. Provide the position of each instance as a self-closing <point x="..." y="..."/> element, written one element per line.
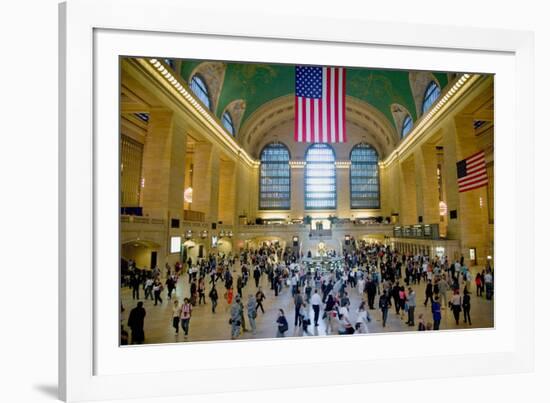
<point x="320" y="178"/>
<point x="407" y="126"/>
<point x="430" y="96"/>
<point x="364" y="179"/>
<point x="275" y="177"/>
<point x="200" y="89"/>
<point x="228" y="123"/>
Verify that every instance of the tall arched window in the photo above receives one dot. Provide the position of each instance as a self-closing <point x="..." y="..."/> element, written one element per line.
<point x="228" y="123"/>
<point x="275" y="177"/>
<point x="407" y="126"/>
<point x="320" y="178"/>
<point x="200" y="89"/>
<point x="364" y="180"/>
<point x="430" y="96"/>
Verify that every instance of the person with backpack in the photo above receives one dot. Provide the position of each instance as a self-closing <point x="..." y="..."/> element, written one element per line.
<point x="213" y="295"/>
<point x="282" y="324"/>
<point x="466" y="306"/>
<point x="384" y="304"/>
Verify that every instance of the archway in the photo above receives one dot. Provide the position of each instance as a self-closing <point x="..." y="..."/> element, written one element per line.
<point x="143" y="252"/>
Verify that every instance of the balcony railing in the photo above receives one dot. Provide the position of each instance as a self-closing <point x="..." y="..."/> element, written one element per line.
<point x="191" y="215"/>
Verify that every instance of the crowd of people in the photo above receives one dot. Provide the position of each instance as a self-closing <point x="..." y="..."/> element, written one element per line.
<point x="317" y="294"/>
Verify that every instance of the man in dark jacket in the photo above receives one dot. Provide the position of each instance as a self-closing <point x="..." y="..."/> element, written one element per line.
<point x="429" y="293"/>
<point x="384" y="304"/>
<point x="370" y="288"/>
<point x="135" y="322"/>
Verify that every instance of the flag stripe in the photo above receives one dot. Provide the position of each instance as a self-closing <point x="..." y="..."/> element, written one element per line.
<point x="324" y="102"/>
<point x="472" y="175"/>
<point x="477" y="178"/>
<point x="474" y="186"/>
<point x="472" y="172"/>
<point x="320" y="105"/>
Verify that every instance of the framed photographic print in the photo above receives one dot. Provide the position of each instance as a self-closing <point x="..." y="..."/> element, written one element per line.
<point x="240" y="203"/>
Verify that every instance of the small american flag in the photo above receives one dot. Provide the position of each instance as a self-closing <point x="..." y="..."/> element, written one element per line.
<point x="320" y="105"/>
<point x="472" y="172"/>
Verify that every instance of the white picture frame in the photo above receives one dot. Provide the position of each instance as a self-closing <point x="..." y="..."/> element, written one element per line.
<point x="93" y="33"/>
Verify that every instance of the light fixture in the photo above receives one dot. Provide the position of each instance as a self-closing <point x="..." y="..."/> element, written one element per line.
<point x="188" y="195"/>
<point x="442" y="208"/>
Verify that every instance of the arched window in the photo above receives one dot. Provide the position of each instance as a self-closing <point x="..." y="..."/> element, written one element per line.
<point x="275" y="177"/>
<point x="430" y="96"/>
<point x="320" y="178"/>
<point x="407" y="126"/>
<point x="200" y="89"/>
<point x="228" y="123"/>
<point x="364" y="180"/>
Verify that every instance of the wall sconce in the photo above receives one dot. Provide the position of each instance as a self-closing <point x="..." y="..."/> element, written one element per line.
<point x="189" y="234"/>
<point x="204" y="234"/>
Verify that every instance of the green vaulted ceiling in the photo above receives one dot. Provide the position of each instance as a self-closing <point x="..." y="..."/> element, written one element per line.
<point x="257" y="84"/>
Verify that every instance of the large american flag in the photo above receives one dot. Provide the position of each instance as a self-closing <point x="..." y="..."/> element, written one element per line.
<point x="320" y="105"/>
<point x="472" y="172"/>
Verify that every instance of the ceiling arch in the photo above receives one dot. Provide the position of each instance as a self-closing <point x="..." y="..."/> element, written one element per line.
<point x="275" y="121"/>
<point x="259" y="84"/>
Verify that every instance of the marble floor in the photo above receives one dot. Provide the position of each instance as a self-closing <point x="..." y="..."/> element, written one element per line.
<point x="208" y="326"/>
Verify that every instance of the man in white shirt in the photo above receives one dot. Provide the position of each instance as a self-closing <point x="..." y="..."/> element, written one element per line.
<point x="316" y="305"/>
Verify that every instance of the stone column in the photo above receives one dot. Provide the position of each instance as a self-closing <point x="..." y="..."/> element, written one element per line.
<point x="471" y="226"/>
<point x="164" y="165"/>
<point x="206" y="169"/>
<point x="343" y="195"/>
<point x="226" y="197"/>
<point x="407" y="212"/>
<point x="297" y="191"/>
<point x="427" y="197"/>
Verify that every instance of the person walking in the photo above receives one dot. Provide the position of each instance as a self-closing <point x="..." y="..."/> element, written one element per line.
<point x="135" y="286"/>
<point x="316" y="305"/>
<point x="298" y="302"/>
<point x="411" y="306"/>
<point x="384" y="304"/>
<point x="251" y="310"/>
<point x="235" y="318"/>
<point x="370" y="288"/>
<point x="282" y="324"/>
<point x="429" y="293"/>
<point x="176" y="313"/>
<point x="466" y="306"/>
<point x="257" y="274"/>
<point x="443" y="288"/>
<point x="362" y="318"/>
<point x="185" y="317"/>
<point x="306" y="321"/>
<point x="260" y="296"/>
<point x="136" y="321"/>
<point x="157" y="289"/>
<point x="148" y="288"/>
<point x="436" y="313"/>
<point x="456" y="303"/>
<point x="213" y="295"/>
<point x="479" y="287"/>
<point x="201" y="290"/>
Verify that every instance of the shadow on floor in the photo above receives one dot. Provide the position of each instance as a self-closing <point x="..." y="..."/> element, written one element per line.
<point x="48" y="390"/>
